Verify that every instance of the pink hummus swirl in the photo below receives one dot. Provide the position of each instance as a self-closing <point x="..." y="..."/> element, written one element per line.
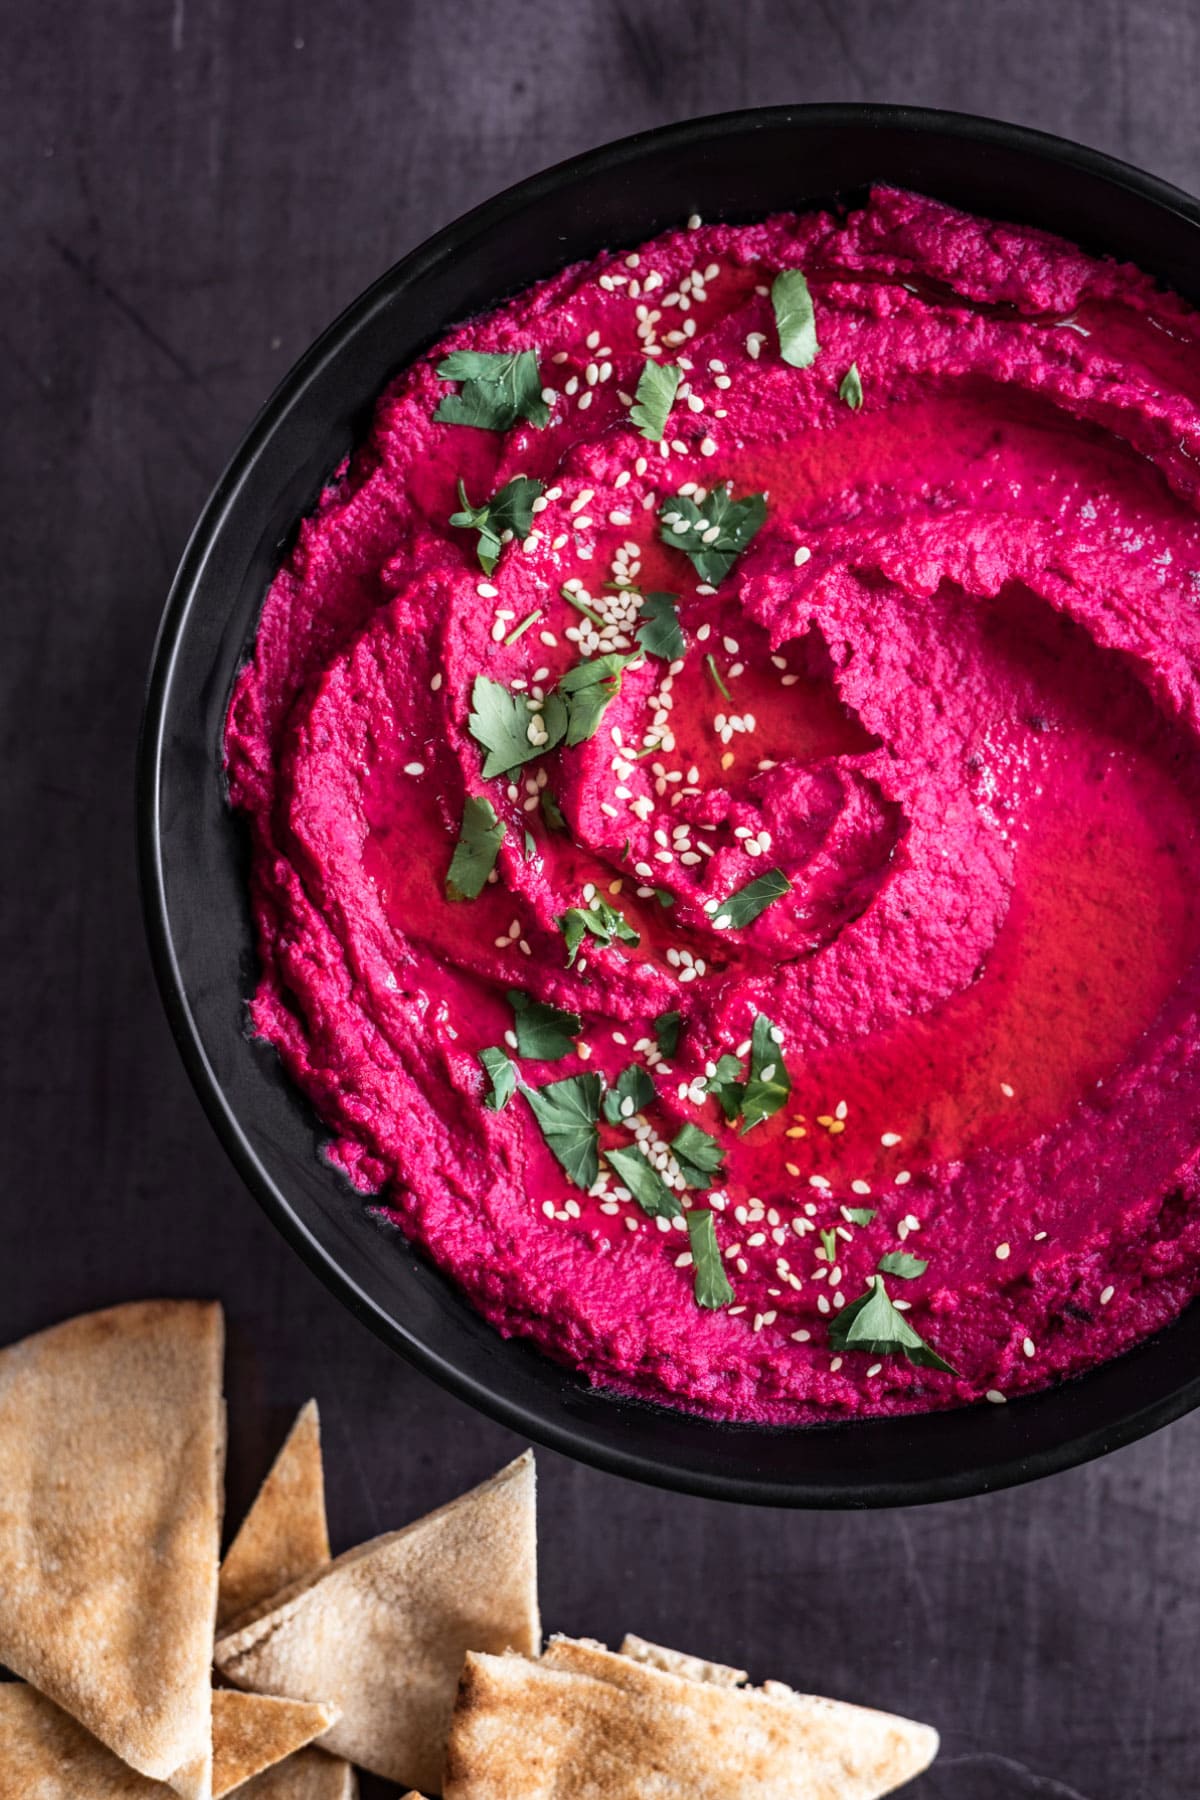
<point x="962" y="658"/>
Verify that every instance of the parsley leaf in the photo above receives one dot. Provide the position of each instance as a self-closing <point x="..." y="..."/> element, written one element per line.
<point x="851" y="389"/>
<point x="632" y="1084"/>
<point x="509" y="509"/>
<point x="552" y="811"/>
<point x="501" y="1072"/>
<point x="872" y="1323"/>
<point x="644" y="1183"/>
<point x="744" y="904"/>
<point x="713" y="534"/>
<point x="568" y="1112"/>
<point x="590" y="687"/>
<point x="899" y="1262"/>
<point x="475" y="853"/>
<point x="727" y="1086"/>
<point x="658" y="627"/>
<point x="794" y="318"/>
<point x="768" y="1084"/>
<point x="666" y="1031"/>
<point x="496" y="390"/>
<point x="604" y="923"/>
<point x="829" y="1246"/>
<point x="858" y="1215"/>
<point x="701" y="1159"/>
<point x="654" y="398"/>
<point x="711" y="1284"/>
<point x="500" y="722"/>
<point x="543" y="1032"/>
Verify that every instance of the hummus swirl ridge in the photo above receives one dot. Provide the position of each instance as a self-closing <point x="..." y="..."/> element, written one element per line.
<point x="961" y="658"/>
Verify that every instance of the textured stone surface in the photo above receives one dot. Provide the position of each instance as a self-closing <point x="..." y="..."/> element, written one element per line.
<point x="191" y="190"/>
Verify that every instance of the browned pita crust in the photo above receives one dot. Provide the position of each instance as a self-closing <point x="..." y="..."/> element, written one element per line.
<point x="252" y="1732"/>
<point x="309" y="1775"/>
<point x="601" y="1727"/>
<point x="284" y="1536"/>
<point x="678" y="1662"/>
<point x="382" y="1632"/>
<point x="112" y="1435"/>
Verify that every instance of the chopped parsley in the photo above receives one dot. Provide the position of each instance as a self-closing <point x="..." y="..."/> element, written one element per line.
<point x="545" y="1033"/>
<point x="701" y="1159"/>
<point x="552" y="811"/>
<point x="500" y="1070"/>
<point x="568" y="1112"/>
<point x="768" y="1084"/>
<point x="726" y="1085"/>
<point x="480" y="837"/>
<point x="851" y="388"/>
<point x="509" y="509"/>
<point x="744" y="905"/>
<point x="654" y="398"/>
<point x="601" y="920"/>
<point x="711" y="1284"/>
<point x="829" y="1246"/>
<point x="500" y="722"/>
<point x="794" y="318"/>
<point x="713" y="670"/>
<point x="632" y="1085"/>
<point x="899" y="1262"/>
<point x="658" y="629"/>
<point x="871" y="1323"/>
<point x="713" y="534"/>
<point x="858" y="1215"/>
<point x="495" y="390"/>
<point x="590" y="687"/>
<point x="645" y="1184"/>
<point x="666" y="1031"/>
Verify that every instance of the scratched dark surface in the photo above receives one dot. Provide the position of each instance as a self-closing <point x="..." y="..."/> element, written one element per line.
<point x="190" y="191"/>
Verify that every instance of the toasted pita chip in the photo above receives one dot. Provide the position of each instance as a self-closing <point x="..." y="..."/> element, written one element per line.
<point x="112" y="1437"/>
<point x="284" y="1536"/>
<point x="252" y="1732"/>
<point x="601" y="1727"/>
<point x="309" y="1775"/>
<point x="382" y="1632"/>
<point x="678" y="1662"/>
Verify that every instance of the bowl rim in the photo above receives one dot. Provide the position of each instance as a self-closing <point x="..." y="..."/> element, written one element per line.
<point x="560" y="1432"/>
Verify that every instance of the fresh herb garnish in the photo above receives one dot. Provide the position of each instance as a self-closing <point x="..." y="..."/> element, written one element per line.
<point x="794" y="318"/>
<point x="568" y="1112"/>
<point x="500" y="722"/>
<point x="666" y="1031"/>
<point x="590" y="687"/>
<point x="701" y="1159"/>
<point x="604" y="923"/>
<point x="501" y="1071"/>
<point x="644" y="1183"/>
<point x="632" y="1085"/>
<point x="552" y="811"/>
<point x="744" y="904"/>
<point x="829" y="1245"/>
<point x="658" y="629"/>
<point x="871" y="1323"/>
<point x="654" y="398"/>
<point x="768" y="1084"/>
<point x="713" y="670"/>
<point x="899" y="1262"/>
<point x="545" y="1033"/>
<point x="713" y="534"/>
<point x="496" y="390"/>
<point x="851" y="388"/>
<point x="726" y="1085"/>
<point x="480" y="837"/>
<point x="530" y="846"/>
<point x="710" y="1282"/>
<point x="509" y="509"/>
<point x="858" y="1215"/>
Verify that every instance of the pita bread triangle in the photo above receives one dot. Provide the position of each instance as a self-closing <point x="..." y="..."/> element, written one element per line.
<point x="251" y="1732"/>
<point x="284" y="1536"/>
<point x="383" y="1630"/>
<point x="112" y="1438"/>
<point x="309" y="1775"/>
<point x="603" y="1727"/>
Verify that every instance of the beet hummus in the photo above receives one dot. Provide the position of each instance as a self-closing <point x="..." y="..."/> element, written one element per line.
<point x="723" y="768"/>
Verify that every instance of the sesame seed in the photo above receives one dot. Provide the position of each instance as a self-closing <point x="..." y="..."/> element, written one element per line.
<point x="414" y="768"/>
<point x="889" y="1138"/>
<point x="1028" y="1346"/>
<point x="1003" y="1252"/>
<point x="708" y="446"/>
<point x="486" y="590"/>
<point x="802" y="555"/>
<point x="1106" y="1295"/>
<point x="693" y="223"/>
<point x="996" y="1397"/>
<point x="1006" y="1090"/>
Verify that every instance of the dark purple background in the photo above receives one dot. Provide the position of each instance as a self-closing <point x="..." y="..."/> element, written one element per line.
<point x="191" y="190"/>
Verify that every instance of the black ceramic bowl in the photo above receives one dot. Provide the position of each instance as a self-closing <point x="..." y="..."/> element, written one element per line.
<point x="193" y="856"/>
